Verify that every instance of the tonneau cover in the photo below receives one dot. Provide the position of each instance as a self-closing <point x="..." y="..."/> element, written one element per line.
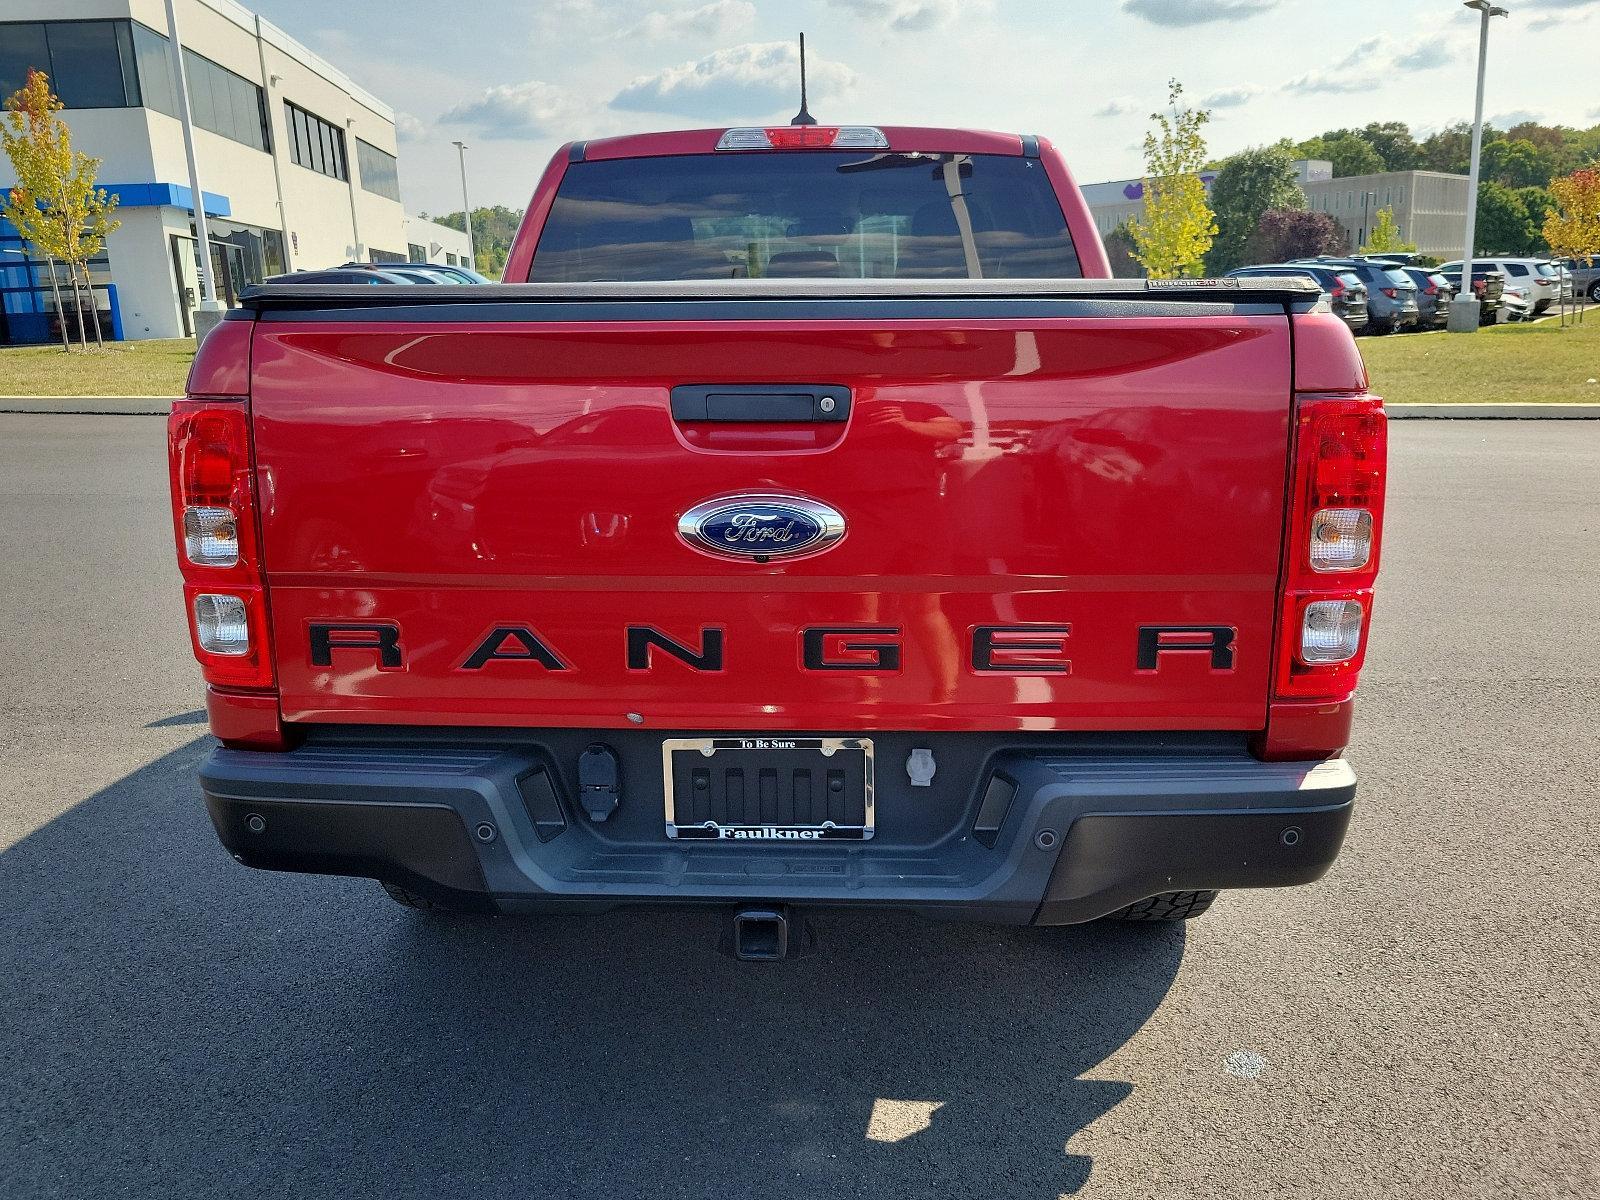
<point x="1292" y="290"/>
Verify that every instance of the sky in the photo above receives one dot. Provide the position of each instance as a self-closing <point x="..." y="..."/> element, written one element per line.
<point x="517" y="80"/>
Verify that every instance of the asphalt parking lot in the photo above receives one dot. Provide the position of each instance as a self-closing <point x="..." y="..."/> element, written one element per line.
<point x="1420" y="1024"/>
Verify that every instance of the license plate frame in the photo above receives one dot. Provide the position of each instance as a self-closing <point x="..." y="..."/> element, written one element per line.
<point x="851" y="757"/>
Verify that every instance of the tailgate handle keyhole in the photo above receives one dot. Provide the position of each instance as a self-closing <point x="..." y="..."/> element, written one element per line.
<point x="761" y="403"/>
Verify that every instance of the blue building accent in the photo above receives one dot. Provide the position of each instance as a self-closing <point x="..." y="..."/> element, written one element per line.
<point x="27" y="304"/>
<point x="170" y="195"/>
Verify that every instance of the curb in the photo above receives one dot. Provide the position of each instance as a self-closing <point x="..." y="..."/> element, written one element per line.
<point x="1493" y="412"/>
<point x="117" y="406"/>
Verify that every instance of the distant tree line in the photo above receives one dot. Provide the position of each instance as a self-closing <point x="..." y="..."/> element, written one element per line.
<point x="1516" y="168"/>
<point x="492" y="232"/>
<point x="1261" y="213"/>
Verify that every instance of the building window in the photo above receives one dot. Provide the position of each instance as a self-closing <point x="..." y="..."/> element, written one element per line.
<point x="315" y="144"/>
<point x="416" y="253"/>
<point x="122" y="64"/>
<point x="385" y="256"/>
<point x="219" y="100"/>
<point x="452" y="260"/>
<point x="379" y="172"/>
<point x="90" y="63"/>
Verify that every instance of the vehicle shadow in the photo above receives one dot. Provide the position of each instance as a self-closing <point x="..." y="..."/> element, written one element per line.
<point x="179" y="1025"/>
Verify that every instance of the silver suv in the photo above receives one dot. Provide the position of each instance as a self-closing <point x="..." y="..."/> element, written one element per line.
<point x="1541" y="280"/>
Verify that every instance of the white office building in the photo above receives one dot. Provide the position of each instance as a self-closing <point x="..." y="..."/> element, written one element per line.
<point x="298" y="163"/>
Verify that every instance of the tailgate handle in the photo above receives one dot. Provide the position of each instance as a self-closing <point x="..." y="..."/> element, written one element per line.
<point x="761" y="403"/>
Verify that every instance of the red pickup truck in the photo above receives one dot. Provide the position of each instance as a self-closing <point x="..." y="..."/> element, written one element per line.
<point x="809" y="519"/>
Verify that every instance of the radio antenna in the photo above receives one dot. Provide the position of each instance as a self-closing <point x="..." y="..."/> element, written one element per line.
<point x="803" y="117"/>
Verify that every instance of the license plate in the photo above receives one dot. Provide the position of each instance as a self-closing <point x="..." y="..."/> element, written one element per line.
<point x="768" y="789"/>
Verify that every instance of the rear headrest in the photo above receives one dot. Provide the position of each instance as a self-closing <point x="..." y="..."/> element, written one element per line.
<point x="803" y="264"/>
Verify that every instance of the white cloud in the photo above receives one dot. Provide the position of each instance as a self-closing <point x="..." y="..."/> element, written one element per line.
<point x="1195" y="12"/>
<point x="1375" y="62"/>
<point x="1555" y="13"/>
<point x="522" y="111"/>
<point x="1424" y="56"/>
<point x="1516" y="116"/>
<point x="907" y="16"/>
<point x="1233" y="97"/>
<point x="1329" y="82"/>
<point x="409" y="127"/>
<point x="1117" y="106"/>
<point x="741" y="82"/>
<point x="716" y="21"/>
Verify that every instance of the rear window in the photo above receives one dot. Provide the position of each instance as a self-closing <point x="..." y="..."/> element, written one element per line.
<point x="1516" y="269"/>
<point x="1350" y="280"/>
<point x="1399" y="278"/>
<point x="805" y="215"/>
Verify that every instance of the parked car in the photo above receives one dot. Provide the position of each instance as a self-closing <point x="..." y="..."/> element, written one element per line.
<point x="1518" y="303"/>
<point x="638" y="673"/>
<point x="341" y="275"/>
<point x="1563" y="278"/>
<point x="1344" y="288"/>
<point x="1585" y="276"/>
<point x="1488" y="285"/>
<point x="1434" y="293"/>
<point x="1391" y="296"/>
<point x="1543" y="288"/>
<point x="422" y="272"/>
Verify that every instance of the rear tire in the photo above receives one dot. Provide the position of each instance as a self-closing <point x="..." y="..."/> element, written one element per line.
<point x="1169" y="906"/>
<point x="1594" y="291"/>
<point x="411" y="900"/>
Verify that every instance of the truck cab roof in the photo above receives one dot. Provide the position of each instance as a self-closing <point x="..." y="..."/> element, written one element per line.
<point x="900" y="138"/>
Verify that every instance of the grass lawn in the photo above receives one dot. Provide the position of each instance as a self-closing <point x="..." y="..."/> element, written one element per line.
<point x="1529" y="364"/>
<point x="1540" y="363"/>
<point x="153" y="368"/>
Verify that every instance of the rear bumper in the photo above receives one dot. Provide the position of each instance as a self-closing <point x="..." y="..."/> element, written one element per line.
<point x="1086" y="832"/>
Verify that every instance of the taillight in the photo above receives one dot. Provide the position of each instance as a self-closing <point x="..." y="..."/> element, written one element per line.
<point x="1431" y="290"/>
<point x="1392" y="293"/>
<point x="214" y="518"/>
<point x="1337" y="290"/>
<point x="804" y="137"/>
<point x="1335" y="519"/>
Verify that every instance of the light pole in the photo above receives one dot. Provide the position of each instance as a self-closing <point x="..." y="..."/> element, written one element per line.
<point x="210" y="313"/>
<point x="466" y="206"/>
<point x="1464" y="309"/>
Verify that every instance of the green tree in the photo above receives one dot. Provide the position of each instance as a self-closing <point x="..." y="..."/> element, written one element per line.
<point x="1249" y="184"/>
<point x="1351" y="155"/>
<point x="1393" y="143"/>
<point x="1449" y="150"/>
<point x="1514" y="163"/>
<point x="55" y="204"/>
<point x="1385" y="238"/>
<point x="1174" y="232"/>
<point x="1503" y="226"/>
<point x="492" y="232"/>
<point x="1119" y="252"/>
<point x="1540" y="203"/>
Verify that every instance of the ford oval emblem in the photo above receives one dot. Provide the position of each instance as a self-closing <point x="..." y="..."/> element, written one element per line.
<point x="761" y="526"/>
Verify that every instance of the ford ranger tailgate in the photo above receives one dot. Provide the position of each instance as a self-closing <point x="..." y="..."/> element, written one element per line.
<point x="1061" y="506"/>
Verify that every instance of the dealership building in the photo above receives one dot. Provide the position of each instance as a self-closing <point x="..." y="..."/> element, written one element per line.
<point x="1430" y="207"/>
<point x="298" y="164"/>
